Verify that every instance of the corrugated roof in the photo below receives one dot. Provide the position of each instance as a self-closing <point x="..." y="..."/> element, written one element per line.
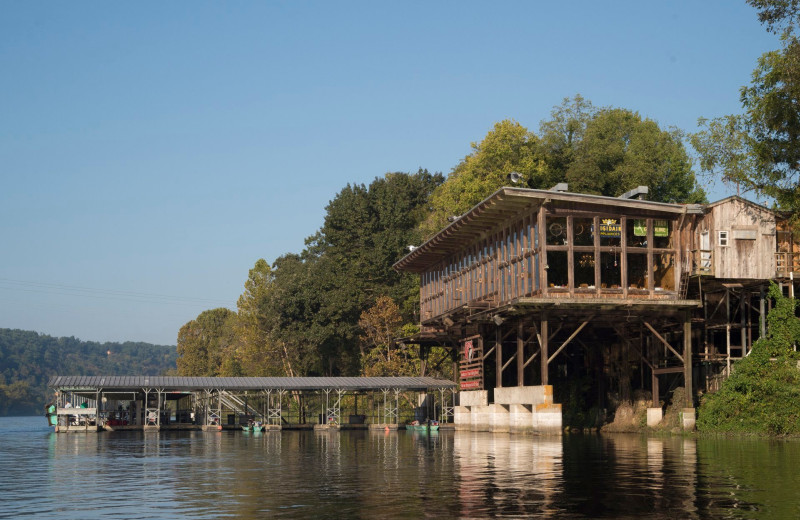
<point x="245" y="383"/>
<point x="508" y="202"/>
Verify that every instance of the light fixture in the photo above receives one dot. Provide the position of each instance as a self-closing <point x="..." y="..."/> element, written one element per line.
<point x="411" y="248"/>
<point x="447" y="321"/>
<point x="497" y="320"/>
<point x="452" y="218"/>
<point x="514" y="177"/>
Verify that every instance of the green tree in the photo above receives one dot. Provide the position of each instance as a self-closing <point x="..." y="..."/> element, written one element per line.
<point x="759" y="150"/>
<point x="508" y="147"/>
<point x="619" y="151"/>
<point x="602" y="151"/>
<point x="205" y="342"/>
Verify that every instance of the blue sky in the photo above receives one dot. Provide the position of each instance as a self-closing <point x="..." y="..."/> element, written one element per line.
<point x="151" y="152"/>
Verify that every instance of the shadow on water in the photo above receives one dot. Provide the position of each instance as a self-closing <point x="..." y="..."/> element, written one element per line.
<point x="365" y="474"/>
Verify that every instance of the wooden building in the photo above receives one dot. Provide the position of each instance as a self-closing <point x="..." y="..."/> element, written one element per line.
<point x="533" y="286"/>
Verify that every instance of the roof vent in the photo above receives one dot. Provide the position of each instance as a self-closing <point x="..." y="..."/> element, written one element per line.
<point x="561" y="186"/>
<point x="638" y="193"/>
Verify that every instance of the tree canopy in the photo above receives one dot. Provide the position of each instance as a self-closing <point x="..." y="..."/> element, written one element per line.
<point x="759" y="150"/>
<point x="602" y="151"/>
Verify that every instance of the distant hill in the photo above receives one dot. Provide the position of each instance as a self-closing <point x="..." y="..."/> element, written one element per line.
<point x="28" y="359"/>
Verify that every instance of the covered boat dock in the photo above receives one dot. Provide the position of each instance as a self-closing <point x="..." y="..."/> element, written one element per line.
<point x="94" y="403"/>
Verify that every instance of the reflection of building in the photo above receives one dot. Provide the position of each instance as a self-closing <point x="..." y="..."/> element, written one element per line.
<point x="534" y="287"/>
<point x="496" y="470"/>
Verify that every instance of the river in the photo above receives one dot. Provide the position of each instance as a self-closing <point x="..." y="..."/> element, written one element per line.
<point x="361" y="474"/>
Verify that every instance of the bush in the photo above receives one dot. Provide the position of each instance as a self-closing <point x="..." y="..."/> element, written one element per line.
<point x="762" y="395"/>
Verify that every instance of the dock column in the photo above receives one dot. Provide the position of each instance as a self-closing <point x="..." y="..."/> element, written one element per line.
<point x="687" y="359"/>
<point x="545" y="354"/>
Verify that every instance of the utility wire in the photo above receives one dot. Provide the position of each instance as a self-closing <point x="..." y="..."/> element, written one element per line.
<point x="103" y="294"/>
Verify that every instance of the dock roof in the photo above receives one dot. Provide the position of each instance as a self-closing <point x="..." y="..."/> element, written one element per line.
<point x="246" y="383"/>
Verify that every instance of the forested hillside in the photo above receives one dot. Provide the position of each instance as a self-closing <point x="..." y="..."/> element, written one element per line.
<point x="28" y="359"/>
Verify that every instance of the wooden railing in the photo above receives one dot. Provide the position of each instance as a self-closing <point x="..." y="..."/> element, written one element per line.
<point x="786" y="263"/>
<point x="702" y="262"/>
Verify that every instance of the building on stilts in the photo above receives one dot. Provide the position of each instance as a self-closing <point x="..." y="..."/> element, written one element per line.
<point x="555" y="306"/>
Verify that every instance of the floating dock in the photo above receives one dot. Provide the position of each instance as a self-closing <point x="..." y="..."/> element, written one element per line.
<point x="152" y="403"/>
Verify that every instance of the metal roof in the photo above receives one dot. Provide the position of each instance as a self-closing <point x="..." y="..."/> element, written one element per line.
<point x="507" y="202"/>
<point x="245" y="383"/>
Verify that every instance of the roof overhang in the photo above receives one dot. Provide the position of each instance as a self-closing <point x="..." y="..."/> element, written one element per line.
<point x="506" y="203"/>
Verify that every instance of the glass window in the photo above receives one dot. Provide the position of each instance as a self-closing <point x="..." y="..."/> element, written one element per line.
<point x="584" y="270"/>
<point x="557" y="268"/>
<point x="610" y="232"/>
<point x="662" y="233"/>
<point x="610" y="270"/>
<point x="556" y="231"/>
<point x="664" y="272"/>
<point x="636" y="232"/>
<point x="637" y="271"/>
<point x="723" y="238"/>
<point x="583" y="231"/>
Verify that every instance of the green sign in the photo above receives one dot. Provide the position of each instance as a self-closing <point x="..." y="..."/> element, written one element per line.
<point x="640" y="228"/>
<point x="660" y="228"/>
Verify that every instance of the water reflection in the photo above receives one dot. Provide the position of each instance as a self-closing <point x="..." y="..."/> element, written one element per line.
<point x="393" y="475"/>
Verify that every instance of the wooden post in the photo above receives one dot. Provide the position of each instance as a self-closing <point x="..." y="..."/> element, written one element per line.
<point x="762" y="315"/>
<point x="498" y="353"/>
<point x="543" y="330"/>
<point x="520" y="354"/>
<point x="687" y="359"/>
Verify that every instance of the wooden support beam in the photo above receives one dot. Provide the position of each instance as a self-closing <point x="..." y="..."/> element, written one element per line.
<point x="662" y="340"/>
<point x="528" y="362"/>
<point x="489" y="353"/>
<point x="569" y="339"/>
<point x="687" y="356"/>
<point x="520" y="354"/>
<point x="543" y="340"/>
<point x="498" y="359"/>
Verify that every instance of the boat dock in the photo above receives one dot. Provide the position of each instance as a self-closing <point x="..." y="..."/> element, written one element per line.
<point x="153" y="403"/>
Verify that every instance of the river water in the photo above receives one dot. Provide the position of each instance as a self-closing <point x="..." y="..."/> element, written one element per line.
<point x="361" y="474"/>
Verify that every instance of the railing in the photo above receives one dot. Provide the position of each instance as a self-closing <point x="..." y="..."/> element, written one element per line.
<point x="786" y="263"/>
<point x="702" y="262"/>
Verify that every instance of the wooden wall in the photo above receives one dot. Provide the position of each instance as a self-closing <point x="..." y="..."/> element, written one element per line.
<point x="751" y="247"/>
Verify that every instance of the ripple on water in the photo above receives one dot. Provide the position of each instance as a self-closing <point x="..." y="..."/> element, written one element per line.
<point x="397" y="475"/>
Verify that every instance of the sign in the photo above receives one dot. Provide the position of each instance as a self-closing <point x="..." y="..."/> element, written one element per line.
<point x="660" y="228"/>
<point x="610" y="227"/>
<point x="469" y="351"/>
<point x="472" y="372"/>
<point x="640" y="228"/>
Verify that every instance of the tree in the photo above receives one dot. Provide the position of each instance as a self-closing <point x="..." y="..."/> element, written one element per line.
<point x="602" y="151"/>
<point x="508" y="147"/>
<point x="759" y="150"/>
<point x="619" y="151"/>
<point x="205" y="342"/>
<point x="380" y="356"/>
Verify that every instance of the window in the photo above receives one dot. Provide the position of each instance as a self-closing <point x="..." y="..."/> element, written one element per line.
<point x="723" y="238"/>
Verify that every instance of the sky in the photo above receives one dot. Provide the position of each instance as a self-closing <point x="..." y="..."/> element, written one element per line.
<point x="151" y="152"/>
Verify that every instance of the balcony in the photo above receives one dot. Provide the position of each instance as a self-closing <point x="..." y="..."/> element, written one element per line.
<point x="786" y="264"/>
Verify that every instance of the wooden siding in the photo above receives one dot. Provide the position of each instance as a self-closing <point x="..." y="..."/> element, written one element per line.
<point x="741" y="258"/>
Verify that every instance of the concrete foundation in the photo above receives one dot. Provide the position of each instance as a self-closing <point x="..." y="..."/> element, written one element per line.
<point x="654" y="416"/>
<point x="521" y="409"/>
<point x="688" y="419"/>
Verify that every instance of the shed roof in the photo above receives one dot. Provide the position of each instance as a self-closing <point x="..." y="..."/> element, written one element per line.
<point x="246" y="383"/>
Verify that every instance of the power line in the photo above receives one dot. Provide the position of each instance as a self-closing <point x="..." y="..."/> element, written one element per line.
<point x="104" y="294"/>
